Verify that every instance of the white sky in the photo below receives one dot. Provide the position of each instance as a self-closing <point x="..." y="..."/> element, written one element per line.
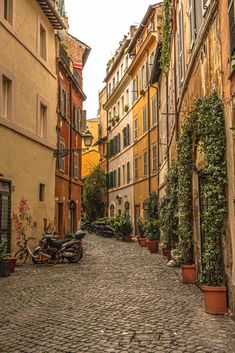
<point x="101" y="24"/>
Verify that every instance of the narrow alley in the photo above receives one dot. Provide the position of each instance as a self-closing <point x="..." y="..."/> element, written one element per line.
<point x="118" y="299"/>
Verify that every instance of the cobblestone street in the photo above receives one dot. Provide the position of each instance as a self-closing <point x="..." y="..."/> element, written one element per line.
<point x="118" y="299"/>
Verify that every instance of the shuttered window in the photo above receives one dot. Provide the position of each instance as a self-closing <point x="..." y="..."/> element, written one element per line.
<point x="145" y="163"/>
<point x="231" y="15"/>
<point x="76" y="172"/>
<point x="144" y="116"/>
<point x="128" y="172"/>
<point x="63" y="102"/>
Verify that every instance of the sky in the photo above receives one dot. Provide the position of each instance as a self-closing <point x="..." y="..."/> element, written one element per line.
<point x="101" y="25"/>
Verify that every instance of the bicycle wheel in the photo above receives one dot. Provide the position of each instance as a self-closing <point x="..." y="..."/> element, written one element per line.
<point x="37" y="257"/>
<point x="21" y="256"/>
<point x="51" y="257"/>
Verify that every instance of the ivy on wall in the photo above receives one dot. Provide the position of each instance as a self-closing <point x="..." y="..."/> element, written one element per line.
<point x="205" y="123"/>
<point x="169" y="209"/>
<point x="166" y="36"/>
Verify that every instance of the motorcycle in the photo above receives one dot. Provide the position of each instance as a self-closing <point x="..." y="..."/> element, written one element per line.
<point x="69" y="248"/>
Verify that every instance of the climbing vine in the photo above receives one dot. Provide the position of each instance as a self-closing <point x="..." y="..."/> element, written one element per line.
<point x="185" y="167"/>
<point x="169" y="209"/>
<point x="205" y="124"/>
<point x="166" y="36"/>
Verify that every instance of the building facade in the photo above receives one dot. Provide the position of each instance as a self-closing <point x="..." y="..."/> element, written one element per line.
<point x="119" y="139"/>
<point x="143" y="50"/>
<point x="91" y="157"/>
<point x="28" y="92"/>
<point x="201" y="50"/>
<point x="70" y="126"/>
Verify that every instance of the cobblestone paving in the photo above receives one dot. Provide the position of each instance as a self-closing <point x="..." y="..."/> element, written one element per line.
<point x="118" y="299"/>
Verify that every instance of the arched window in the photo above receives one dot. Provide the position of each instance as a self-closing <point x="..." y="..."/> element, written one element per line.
<point x="127" y="208"/>
<point x="112" y="209"/>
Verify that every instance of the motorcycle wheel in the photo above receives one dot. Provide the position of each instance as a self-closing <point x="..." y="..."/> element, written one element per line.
<point x="78" y="254"/>
<point x="21" y="256"/>
<point x="52" y="259"/>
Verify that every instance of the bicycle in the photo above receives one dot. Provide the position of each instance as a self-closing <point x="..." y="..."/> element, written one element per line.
<point x="48" y="256"/>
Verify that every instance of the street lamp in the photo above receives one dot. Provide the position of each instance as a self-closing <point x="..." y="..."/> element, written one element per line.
<point x="87" y="138"/>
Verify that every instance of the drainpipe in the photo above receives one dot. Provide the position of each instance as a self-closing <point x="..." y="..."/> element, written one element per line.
<point x="70" y="140"/>
<point x="175" y="73"/>
<point x="149" y="150"/>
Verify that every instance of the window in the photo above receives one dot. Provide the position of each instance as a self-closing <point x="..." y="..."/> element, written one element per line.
<point x="154" y="109"/>
<point x="127" y="208"/>
<point x="195" y="8"/>
<point x="151" y="62"/>
<point x="42" y="121"/>
<point x="118" y="143"/>
<point x="128" y="172"/>
<point x="76" y="117"/>
<point x="76" y="161"/>
<point x="143" y="77"/>
<point x="134" y="89"/>
<point x="154" y="157"/>
<point x="63" y="102"/>
<point x="114" y="84"/>
<point x="121" y="70"/>
<point x="6" y="97"/>
<point x="123" y="174"/>
<point x="41" y="192"/>
<point x="144" y="116"/>
<point x="110" y="89"/>
<point x="62" y="160"/>
<point x="8" y="11"/>
<point x="231" y="15"/>
<point x="135" y="128"/>
<point x="127" y="97"/>
<point x="122" y="106"/>
<point x="145" y="161"/>
<point x="112" y="211"/>
<point x="115" y="178"/>
<point x="126" y="61"/>
<point x="126" y="136"/>
<point x="117" y="76"/>
<point x="43" y="42"/>
<point x="180" y="41"/>
<point x="118" y="109"/>
<point x="119" y="176"/>
<point x="136" y="168"/>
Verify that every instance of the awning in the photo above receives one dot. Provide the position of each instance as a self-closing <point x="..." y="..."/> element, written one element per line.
<point x="51" y="14"/>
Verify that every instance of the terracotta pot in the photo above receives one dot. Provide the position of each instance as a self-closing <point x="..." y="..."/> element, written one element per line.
<point x="168" y="254"/>
<point x="164" y="251"/>
<point x="12" y="264"/>
<point x="215" y="299"/>
<point x="188" y="273"/>
<point x="126" y="238"/>
<point x="141" y="241"/>
<point x="153" y="246"/>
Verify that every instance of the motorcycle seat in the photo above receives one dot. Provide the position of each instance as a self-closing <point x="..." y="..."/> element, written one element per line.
<point x="58" y="243"/>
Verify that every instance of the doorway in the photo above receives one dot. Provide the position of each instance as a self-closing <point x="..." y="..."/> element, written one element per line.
<point x="5" y="213"/>
<point x="60" y="219"/>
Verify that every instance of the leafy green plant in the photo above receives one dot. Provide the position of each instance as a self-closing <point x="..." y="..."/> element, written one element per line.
<point x="166" y="36"/>
<point x="141" y="226"/>
<point x="152" y="229"/>
<point x="151" y="206"/>
<point x="169" y="220"/>
<point x="125" y="224"/>
<point x="3" y="250"/>
<point x="93" y="194"/>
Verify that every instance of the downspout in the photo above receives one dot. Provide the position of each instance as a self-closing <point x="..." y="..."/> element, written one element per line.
<point x="149" y="150"/>
<point x="70" y="140"/>
<point x="175" y="73"/>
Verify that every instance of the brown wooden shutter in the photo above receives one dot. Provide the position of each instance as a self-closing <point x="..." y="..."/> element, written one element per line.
<point x="231" y="25"/>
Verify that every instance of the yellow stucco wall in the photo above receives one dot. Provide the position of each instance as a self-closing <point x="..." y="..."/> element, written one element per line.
<point x="90" y="160"/>
<point x="25" y="158"/>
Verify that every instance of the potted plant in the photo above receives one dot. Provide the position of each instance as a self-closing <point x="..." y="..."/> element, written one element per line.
<point x="12" y="260"/>
<point x="126" y="108"/>
<point x="142" y="229"/>
<point x="5" y="265"/>
<point x="153" y="234"/>
<point x="125" y="227"/>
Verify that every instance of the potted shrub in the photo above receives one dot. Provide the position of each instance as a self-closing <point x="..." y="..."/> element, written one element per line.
<point x="125" y="227"/>
<point x="126" y="108"/>
<point x="5" y="265"/>
<point x="142" y="229"/>
<point x="153" y="235"/>
<point x="12" y="260"/>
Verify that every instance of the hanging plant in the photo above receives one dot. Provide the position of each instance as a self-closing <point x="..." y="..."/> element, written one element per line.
<point x="169" y="209"/>
<point x="166" y="36"/>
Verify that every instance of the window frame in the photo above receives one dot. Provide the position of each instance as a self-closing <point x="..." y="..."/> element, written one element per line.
<point x="136" y="168"/>
<point x="135" y="128"/>
<point x="154" y="160"/>
<point x="61" y="161"/>
<point x="145" y="162"/>
<point x="76" y="165"/>
<point x="154" y="118"/>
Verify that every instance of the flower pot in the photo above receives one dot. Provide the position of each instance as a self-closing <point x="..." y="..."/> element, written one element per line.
<point x="141" y="241"/>
<point x="153" y="246"/>
<point x="164" y="251"/>
<point x="126" y="238"/>
<point x="168" y="254"/>
<point x="12" y="263"/>
<point x="188" y="273"/>
<point x="215" y="299"/>
<point x="5" y="269"/>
